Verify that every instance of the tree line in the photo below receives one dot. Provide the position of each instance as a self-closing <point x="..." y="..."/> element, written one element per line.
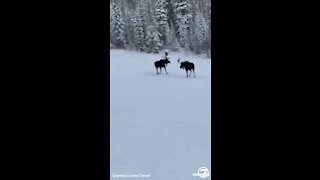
<point x="153" y="25"/>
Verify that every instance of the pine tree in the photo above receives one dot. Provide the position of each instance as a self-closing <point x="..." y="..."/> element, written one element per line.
<point x="193" y="37"/>
<point x="182" y="20"/>
<point x="161" y="17"/>
<point x="152" y="40"/>
<point x="117" y="27"/>
<point x="209" y="34"/>
<point x="139" y="28"/>
<point x="202" y="30"/>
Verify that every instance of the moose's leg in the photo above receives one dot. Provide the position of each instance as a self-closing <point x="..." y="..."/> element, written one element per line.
<point x="194" y="75"/>
<point x="160" y="69"/>
<point x="190" y="73"/>
<point x="187" y="72"/>
<point x="165" y="69"/>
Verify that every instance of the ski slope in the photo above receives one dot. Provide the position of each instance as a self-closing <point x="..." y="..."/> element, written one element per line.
<point x="160" y="124"/>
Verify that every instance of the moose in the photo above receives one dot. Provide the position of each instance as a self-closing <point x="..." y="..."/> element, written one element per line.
<point x="161" y="64"/>
<point x="188" y="66"/>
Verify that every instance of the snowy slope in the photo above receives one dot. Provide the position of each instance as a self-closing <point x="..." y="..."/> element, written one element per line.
<point x="160" y="124"/>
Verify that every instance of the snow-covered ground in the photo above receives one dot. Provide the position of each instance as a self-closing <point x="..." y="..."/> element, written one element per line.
<point x="160" y="124"/>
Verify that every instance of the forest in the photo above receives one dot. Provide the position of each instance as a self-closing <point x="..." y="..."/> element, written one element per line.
<point x="155" y="25"/>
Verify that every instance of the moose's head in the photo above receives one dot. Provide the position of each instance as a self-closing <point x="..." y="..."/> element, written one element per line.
<point x="182" y="65"/>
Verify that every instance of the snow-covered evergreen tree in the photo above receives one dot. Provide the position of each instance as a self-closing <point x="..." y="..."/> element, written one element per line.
<point x="162" y="21"/>
<point x="182" y="21"/>
<point x="161" y="12"/>
<point x="139" y="28"/>
<point x="153" y="42"/>
<point x="202" y="30"/>
<point x="117" y="27"/>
